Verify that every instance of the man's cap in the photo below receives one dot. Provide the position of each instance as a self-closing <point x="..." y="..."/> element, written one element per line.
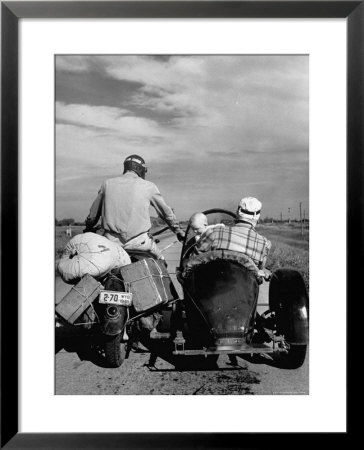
<point x="136" y="158"/>
<point x="137" y="164"/>
<point x="249" y="208"/>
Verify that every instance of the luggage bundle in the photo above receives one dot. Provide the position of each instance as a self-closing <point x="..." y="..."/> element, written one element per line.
<point x="149" y="282"/>
<point x="92" y="254"/>
<point x="79" y="300"/>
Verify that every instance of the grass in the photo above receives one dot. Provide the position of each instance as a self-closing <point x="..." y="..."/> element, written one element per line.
<point x="290" y="249"/>
<point x="61" y="238"/>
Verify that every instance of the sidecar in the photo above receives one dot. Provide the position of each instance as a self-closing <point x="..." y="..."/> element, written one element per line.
<point x="221" y="290"/>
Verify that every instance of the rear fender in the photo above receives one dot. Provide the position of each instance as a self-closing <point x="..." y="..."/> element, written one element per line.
<point x="113" y="317"/>
<point x="288" y="299"/>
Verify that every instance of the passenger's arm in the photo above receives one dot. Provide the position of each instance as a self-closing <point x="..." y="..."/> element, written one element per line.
<point x="267" y="273"/>
<point x="263" y="263"/>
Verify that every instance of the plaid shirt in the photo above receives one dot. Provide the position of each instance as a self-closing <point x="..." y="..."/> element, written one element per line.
<point x="241" y="237"/>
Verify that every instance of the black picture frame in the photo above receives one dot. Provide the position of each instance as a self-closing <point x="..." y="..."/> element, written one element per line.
<point x="11" y="13"/>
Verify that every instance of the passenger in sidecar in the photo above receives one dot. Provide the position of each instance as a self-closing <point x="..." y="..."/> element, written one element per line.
<point x="199" y="224"/>
<point x="241" y="237"/>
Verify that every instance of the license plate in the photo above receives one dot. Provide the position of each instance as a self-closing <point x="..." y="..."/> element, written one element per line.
<point x="116" y="298"/>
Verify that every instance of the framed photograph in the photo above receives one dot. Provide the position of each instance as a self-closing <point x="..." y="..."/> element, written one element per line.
<point x="253" y="108"/>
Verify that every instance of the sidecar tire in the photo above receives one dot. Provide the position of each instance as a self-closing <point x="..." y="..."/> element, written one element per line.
<point x="294" y="358"/>
<point x="115" y="351"/>
<point x="288" y="299"/>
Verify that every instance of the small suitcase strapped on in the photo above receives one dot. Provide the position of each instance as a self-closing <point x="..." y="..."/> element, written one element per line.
<point x="78" y="299"/>
<point x="149" y="282"/>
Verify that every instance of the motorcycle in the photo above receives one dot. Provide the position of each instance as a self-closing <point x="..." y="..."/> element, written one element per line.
<point x="217" y="314"/>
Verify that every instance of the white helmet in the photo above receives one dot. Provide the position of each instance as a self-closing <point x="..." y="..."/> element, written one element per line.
<point x="249" y="210"/>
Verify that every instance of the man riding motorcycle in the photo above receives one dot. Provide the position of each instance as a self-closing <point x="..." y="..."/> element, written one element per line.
<point x="123" y="205"/>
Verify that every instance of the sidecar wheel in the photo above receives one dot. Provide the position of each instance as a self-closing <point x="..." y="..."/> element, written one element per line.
<point x="294" y="358"/>
<point x="288" y="299"/>
<point x="115" y="351"/>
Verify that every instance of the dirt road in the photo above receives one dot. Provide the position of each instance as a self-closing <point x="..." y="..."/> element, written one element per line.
<point x="79" y="372"/>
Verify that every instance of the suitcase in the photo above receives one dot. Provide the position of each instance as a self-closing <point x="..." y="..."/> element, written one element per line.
<point x="149" y="282"/>
<point x="78" y="299"/>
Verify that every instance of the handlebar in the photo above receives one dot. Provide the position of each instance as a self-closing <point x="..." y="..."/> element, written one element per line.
<point x="160" y="231"/>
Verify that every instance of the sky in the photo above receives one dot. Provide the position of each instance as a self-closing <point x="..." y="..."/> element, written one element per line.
<point x="211" y="128"/>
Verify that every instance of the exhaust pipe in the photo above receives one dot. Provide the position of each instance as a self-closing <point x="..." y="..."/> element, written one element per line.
<point x="112" y="312"/>
<point x="113" y="320"/>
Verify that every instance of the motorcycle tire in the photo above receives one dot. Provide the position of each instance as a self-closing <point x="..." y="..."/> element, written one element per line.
<point x="115" y="351"/>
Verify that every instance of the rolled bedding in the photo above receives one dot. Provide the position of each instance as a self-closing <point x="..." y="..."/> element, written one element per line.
<point x="90" y="253"/>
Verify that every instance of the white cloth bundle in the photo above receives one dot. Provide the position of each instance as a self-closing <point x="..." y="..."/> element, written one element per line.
<point x="90" y="253"/>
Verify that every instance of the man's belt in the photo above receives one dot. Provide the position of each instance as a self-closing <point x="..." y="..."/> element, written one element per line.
<point x="125" y="241"/>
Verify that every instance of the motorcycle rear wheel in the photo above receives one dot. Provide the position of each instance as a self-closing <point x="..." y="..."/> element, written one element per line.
<point x="115" y="351"/>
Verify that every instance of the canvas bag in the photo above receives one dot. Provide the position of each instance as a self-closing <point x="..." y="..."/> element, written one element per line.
<point x="90" y="253"/>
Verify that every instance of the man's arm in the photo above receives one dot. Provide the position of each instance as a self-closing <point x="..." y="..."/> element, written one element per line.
<point x="267" y="273"/>
<point x="263" y="262"/>
<point x="95" y="210"/>
<point x="165" y="212"/>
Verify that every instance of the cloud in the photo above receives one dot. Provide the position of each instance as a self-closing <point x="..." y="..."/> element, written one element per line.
<point x="165" y="85"/>
<point x="210" y="127"/>
<point x="192" y="92"/>
<point x="108" y="118"/>
<point x="171" y="74"/>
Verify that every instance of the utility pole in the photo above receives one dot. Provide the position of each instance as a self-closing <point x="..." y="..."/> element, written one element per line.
<point x="301" y="218"/>
<point x="289" y="215"/>
<point x="281" y="218"/>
